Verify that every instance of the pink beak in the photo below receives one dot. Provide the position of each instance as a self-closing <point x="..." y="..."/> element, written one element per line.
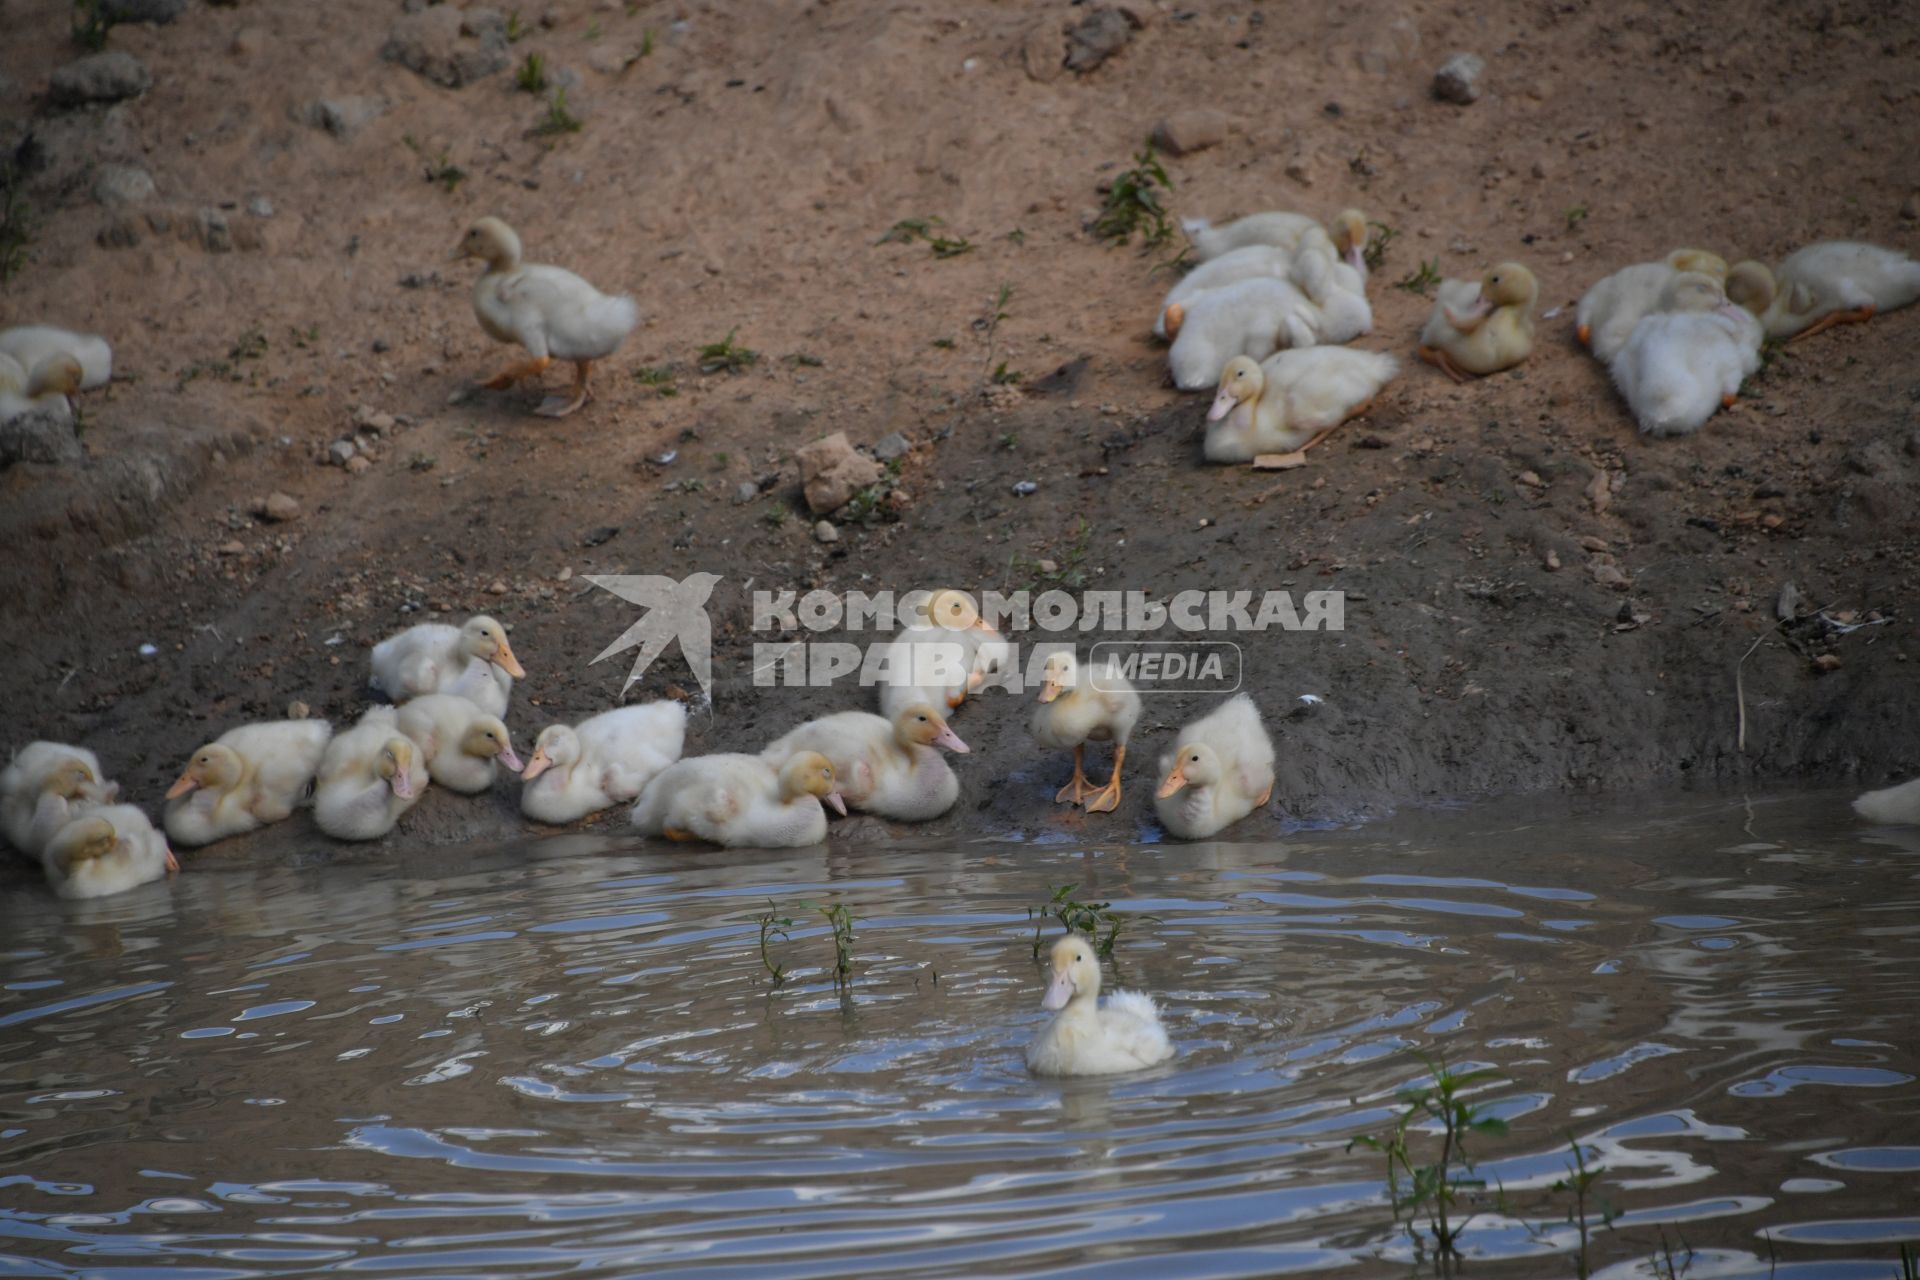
<point x="403" y="786"/>
<point x="509" y="759"/>
<point x="1357" y="260"/>
<point x="835" y="803"/>
<point x="1222" y="405"/>
<point x="1059" y="991"/>
<point x="950" y="740"/>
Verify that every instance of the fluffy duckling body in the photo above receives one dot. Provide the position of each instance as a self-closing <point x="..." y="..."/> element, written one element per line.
<point x="1893" y="806"/>
<point x="604" y="760"/>
<point x="1838" y="282"/>
<point x="1252" y="262"/>
<point x="1686" y="362"/>
<point x="741" y="802"/>
<point x="947" y="653"/>
<point x="1290" y="400"/>
<point x="47" y="389"/>
<point x="35" y="344"/>
<point x="1609" y="310"/>
<point x="1078" y="706"/>
<point x="890" y="767"/>
<point x="1252" y="318"/>
<point x="109" y="849"/>
<point x="1277" y="229"/>
<point x="245" y="779"/>
<point x="1085" y="1037"/>
<point x="1478" y="328"/>
<point x="472" y="661"/>
<point x="369" y="776"/>
<point x="550" y="311"/>
<point x="462" y="745"/>
<point x="1221" y="771"/>
<point x="44" y="786"/>
<point x="1337" y="289"/>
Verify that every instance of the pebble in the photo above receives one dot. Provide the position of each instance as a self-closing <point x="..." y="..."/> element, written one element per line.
<point x="278" y="507"/>
<point x="825" y="532"/>
<point x="357" y="465"/>
<point x="1190" y="129"/>
<point x="497" y="587"/>
<point x="232" y="548"/>
<point x="890" y="446"/>
<point x="1552" y="561"/>
<point x="1025" y="488"/>
<point x="100" y="77"/>
<point x="565" y="574"/>
<point x="340" y="452"/>
<point x="118" y="185"/>
<point x="1827" y="662"/>
<point x="1458" y="79"/>
<point x="260" y="207"/>
<point x="746" y="491"/>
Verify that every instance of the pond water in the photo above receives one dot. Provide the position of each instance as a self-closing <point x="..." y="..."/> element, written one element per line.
<point x="566" y="1057"/>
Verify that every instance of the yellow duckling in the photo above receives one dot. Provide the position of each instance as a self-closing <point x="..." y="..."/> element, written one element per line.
<point x="1221" y="771"/>
<point x="1484" y="327"/>
<point x="245" y="779"/>
<point x="1836" y="282"/>
<point x="1609" y="310"/>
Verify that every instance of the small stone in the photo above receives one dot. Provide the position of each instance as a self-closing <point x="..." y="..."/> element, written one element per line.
<point x="746" y="491"/>
<point x="1025" y="489"/>
<point x="1532" y="480"/>
<point x="99" y="77"/>
<point x="297" y="710"/>
<point x="214" y="231"/>
<point x="247" y="42"/>
<point x="832" y="471"/>
<point x="1591" y="543"/>
<point x="1043" y="51"/>
<point x="565" y="574"/>
<point x="346" y="116"/>
<point x="1458" y="79"/>
<point x="1047" y="566"/>
<point x="1097" y="37"/>
<point x="39" y="436"/>
<point x="611" y="60"/>
<point x="1191" y="129"/>
<point x="1827" y="662"/>
<point x="280" y="507"/>
<point x="340" y="452"/>
<point x="260" y="207"/>
<point x="497" y="587"/>
<point x="357" y="465"/>
<point x="116" y="186"/>
<point x="890" y="446"/>
<point x="1609" y="576"/>
<point x="232" y="548"/>
<point x="825" y="532"/>
<point x="1772" y="520"/>
<point x="1552" y="561"/>
<point x="1539" y="168"/>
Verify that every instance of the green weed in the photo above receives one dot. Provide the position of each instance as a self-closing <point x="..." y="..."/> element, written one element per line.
<point x="1422" y="280"/>
<point x="660" y="379"/>
<point x="773" y="927"/>
<point x="1376" y="251"/>
<point x="531" y="75"/>
<point x="726" y="356"/>
<point x="1576" y="216"/>
<point x="908" y="230"/>
<point x="1133" y="203"/>
<point x="1433" y="1189"/>
<point x="558" y="119"/>
<point x="1075" y="916"/>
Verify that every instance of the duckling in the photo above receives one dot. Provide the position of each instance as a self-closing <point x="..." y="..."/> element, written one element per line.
<point x="1221" y="771"/>
<point x="1893" y="806"/>
<point x="1347" y="229"/>
<point x="550" y="311"/>
<point x="1687" y="361"/>
<point x="886" y="767"/>
<point x="1336" y="287"/>
<point x="1481" y="328"/>
<point x="739" y="801"/>
<point x="1838" y="282"/>
<point x="1609" y="310"/>
<point x="48" y="389"/>
<point x="45" y="785"/>
<point x="1087" y="1038"/>
<point x="369" y="776"/>
<point x="1073" y="712"/>
<point x="1252" y="318"/>
<point x="604" y="760"/>
<point x="107" y="850"/>
<point x="948" y="653"/>
<point x="1254" y="261"/>
<point x="245" y="779"/>
<point x="460" y="743"/>
<point x="473" y="661"/>
<point x="1292" y="400"/>
<point x="34" y="344"/>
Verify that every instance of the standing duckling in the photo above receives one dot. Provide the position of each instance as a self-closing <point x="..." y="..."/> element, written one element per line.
<point x="1685" y="363"/>
<point x="604" y="760"/>
<point x="1837" y="282"/>
<point x="107" y="850"/>
<point x="740" y="802"/>
<point x="1074" y="711"/>
<point x="472" y="661"/>
<point x="1608" y="311"/>
<point x="550" y="311"/>
<point x="1290" y="401"/>
<point x="245" y="779"/>
<point x="461" y="744"/>
<point x="45" y="785"/>
<point x="369" y="776"/>
<point x="1221" y="771"/>
<point x="1481" y="328"/>
<point x="1087" y="1038"/>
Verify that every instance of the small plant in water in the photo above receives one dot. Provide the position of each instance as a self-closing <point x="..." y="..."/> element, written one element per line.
<point x="773" y="927"/>
<point x="1579" y="1183"/>
<point x="1909" y="1262"/>
<point x="1076" y="916"/>
<point x="907" y="230"/>
<point x="840" y="920"/>
<point x="1666" y="1264"/>
<point x="1422" y="280"/>
<point x="1133" y="203"/>
<point x="725" y="356"/>
<point x="1375" y="254"/>
<point x="1432" y="1190"/>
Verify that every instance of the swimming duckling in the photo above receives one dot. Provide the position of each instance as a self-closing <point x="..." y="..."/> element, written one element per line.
<point x="1292" y="400"/>
<point x="1686" y="362"/>
<point x="1221" y="771"/>
<point x="550" y="311"/>
<point x="886" y="767"/>
<point x="369" y="776"/>
<point x="107" y="850"/>
<point x="1484" y="327"/>
<point x="604" y="760"/>
<point x="1837" y="282"/>
<point x="740" y="801"/>
<point x="473" y="661"/>
<point x="1893" y="806"/>
<point x="461" y="744"/>
<point x="1608" y="311"/>
<point x="1087" y="1038"/>
<point x="245" y="779"/>
<point x="44" y="786"/>
<point x="1074" y="710"/>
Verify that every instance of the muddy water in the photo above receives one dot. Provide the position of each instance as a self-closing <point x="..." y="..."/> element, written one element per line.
<point x="567" y="1057"/>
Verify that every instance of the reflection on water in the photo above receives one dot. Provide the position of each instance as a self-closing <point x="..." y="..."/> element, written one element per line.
<point x="566" y="1057"/>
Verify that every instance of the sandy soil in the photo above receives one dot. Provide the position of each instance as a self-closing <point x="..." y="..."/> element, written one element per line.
<point x="735" y="179"/>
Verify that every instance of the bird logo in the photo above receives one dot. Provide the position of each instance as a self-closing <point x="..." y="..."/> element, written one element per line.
<point x="675" y="610"/>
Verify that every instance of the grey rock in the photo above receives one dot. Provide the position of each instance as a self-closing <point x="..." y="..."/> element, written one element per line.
<point x="825" y="532"/>
<point x="343" y="117"/>
<point x="890" y="446"/>
<point x="340" y="452"/>
<point x="1458" y="80"/>
<point x="215" y="233"/>
<point x="119" y="185"/>
<point x="746" y="491"/>
<point x="449" y="46"/>
<point x="99" y="77"/>
<point x="1191" y="129"/>
<point x="156" y="11"/>
<point x="260" y="207"/>
<point x="40" y="436"/>
<point x="1097" y="37"/>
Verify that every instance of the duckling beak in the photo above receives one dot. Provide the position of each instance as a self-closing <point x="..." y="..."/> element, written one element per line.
<point x="835" y="803"/>
<point x="184" y="783"/>
<point x="509" y="759"/>
<point x="1222" y="405"/>
<point x="1357" y="259"/>
<point x="950" y="740"/>
<point x="974" y="680"/>
<point x="505" y="660"/>
<point x="980" y="624"/>
<point x="536" y="766"/>
<point x="1175" y="780"/>
<point x="1059" y="991"/>
<point x="402" y="784"/>
<point x="1049" y="691"/>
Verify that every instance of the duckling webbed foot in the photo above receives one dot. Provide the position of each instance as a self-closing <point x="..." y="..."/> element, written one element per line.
<point x="1443" y="362"/>
<point x="1079" y="788"/>
<point x="679" y="834"/>
<point x="1265" y="796"/>
<point x="1858" y="316"/>
<point x="561" y="406"/>
<point x="515" y="372"/>
<point x="1107" y="798"/>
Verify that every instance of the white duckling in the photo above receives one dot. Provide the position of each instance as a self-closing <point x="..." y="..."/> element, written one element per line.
<point x="107" y="850"/>
<point x="461" y="744"/>
<point x="48" y="389"/>
<point x="1837" y="282"/>
<point x="1282" y="230"/>
<point x="604" y="760"/>
<point x="739" y="801"/>
<point x="892" y="768"/>
<point x="369" y="776"/>
<point x="1254" y="261"/>
<point x="245" y="779"/>
<point x="473" y="661"/>
<point x="35" y="344"/>
<point x="1076" y="708"/>
<point x="44" y="786"/>
<point x="1686" y="362"/>
<point x="550" y="311"/>
<point x="948" y="653"/>
<point x="1336" y="287"/>
<point x="1292" y="400"/>
<point x="1608" y="311"/>
<point x="1252" y="318"/>
<point x="1221" y="771"/>
<point x="1481" y="327"/>
<point x="1893" y="806"/>
<point x="1085" y="1037"/>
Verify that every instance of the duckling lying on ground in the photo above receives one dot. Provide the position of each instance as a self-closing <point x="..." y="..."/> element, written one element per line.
<point x="369" y="776"/>
<point x="1278" y="229"/>
<point x="35" y="344"/>
<point x="739" y="801"/>
<point x="1837" y="282"/>
<point x="887" y="767"/>
<point x="473" y="661"/>
<point x="604" y="760"/>
<point x="1484" y="327"/>
<point x="1609" y="310"/>
<point x="1292" y="400"/>
<point x="107" y="850"/>
<point x="46" y="785"/>
<point x="461" y="745"/>
<point x="1686" y="362"/>
<point x="244" y="779"/>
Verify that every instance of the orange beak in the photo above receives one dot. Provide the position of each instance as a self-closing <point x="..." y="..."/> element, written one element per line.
<point x="1049" y="691"/>
<point x="183" y="784"/>
<point x="1175" y="780"/>
<point x="508" y="663"/>
<point x="1586" y="335"/>
<point x="536" y="766"/>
